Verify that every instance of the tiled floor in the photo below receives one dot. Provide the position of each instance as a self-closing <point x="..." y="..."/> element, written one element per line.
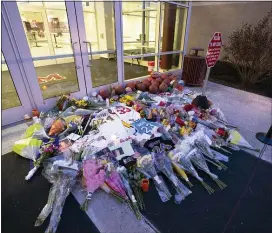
<point x="250" y="112"/>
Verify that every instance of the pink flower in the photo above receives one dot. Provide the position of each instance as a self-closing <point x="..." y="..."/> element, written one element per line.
<point x="94" y="175"/>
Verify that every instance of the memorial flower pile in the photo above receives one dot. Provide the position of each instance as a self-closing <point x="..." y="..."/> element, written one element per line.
<point x="122" y="140"/>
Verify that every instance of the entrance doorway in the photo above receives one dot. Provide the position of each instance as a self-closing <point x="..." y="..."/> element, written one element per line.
<point x="78" y="47"/>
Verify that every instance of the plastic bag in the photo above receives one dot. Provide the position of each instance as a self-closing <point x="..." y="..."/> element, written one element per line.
<point x="27" y="148"/>
<point x="31" y="129"/>
<point x="237" y="139"/>
<point x="220" y="157"/>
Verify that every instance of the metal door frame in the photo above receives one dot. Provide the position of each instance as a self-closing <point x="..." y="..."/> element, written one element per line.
<point x="11" y="56"/>
<point x="25" y="57"/>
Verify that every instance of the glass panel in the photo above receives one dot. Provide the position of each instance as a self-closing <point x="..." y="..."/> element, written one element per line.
<point x="55" y="5"/>
<point x="182" y="2"/>
<point x="173" y="29"/>
<point x="173" y="65"/>
<point x="59" y="31"/>
<point x="9" y="94"/>
<point x="91" y="32"/>
<point x="99" y="25"/>
<point x="88" y="6"/>
<point x="29" y="4"/>
<point x="35" y="32"/>
<point x="56" y="76"/>
<point x="103" y="69"/>
<point x="47" y="31"/>
<point x="138" y="67"/>
<point x="139" y="27"/>
<point x="100" y="33"/>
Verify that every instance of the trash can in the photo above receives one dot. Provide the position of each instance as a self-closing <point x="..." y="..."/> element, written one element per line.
<point x="194" y="68"/>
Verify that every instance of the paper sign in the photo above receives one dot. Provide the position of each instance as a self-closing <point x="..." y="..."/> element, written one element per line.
<point x="73" y="136"/>
<point x="214" y="49"/>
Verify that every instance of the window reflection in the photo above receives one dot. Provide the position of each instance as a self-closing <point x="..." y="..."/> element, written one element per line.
<point x="138" y="67"/>
<point x="142" y="21"/>
<point x="139" y="27"/>
<point x="9" y="94"/>
<point x="175" y="61"/>
<point x="89" y="13"/>
<point x="47" y="32"/>
<point x="100" y="34"/>
<point x="173" y="29"/>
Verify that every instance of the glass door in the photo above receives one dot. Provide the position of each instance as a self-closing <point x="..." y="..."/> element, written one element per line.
<point x="140" y="37"/>
<point x="49" y="48"/>
<point x="151" y="43"/>
<point x="97" y="41"/>
<point x="15" y="100"/>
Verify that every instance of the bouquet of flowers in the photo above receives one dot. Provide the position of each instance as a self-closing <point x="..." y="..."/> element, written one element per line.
<point x="219" y="115"/>
<point x="163" y="164"/>
<point x="46" y="152"/>
<point x="182" y="173"/>
<point x="185" y="163"/>
<point x="94" y="175"/>
<point x="63" y="180"/>
<point x="145" y="165"/>
<point x="133" y="202"/>
<point x="219" y="143"/>
<point x="198" y="159"/>
<point x="114" y="181"/>
<point x="204" y="147"/>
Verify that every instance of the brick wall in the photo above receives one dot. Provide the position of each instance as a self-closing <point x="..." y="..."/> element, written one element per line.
<point x="225" y="18"/>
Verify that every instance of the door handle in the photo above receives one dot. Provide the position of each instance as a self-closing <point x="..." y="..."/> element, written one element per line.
<point x="73" y="48"/>
<point x="89" y="43"/>
<point x="72" y="45"/>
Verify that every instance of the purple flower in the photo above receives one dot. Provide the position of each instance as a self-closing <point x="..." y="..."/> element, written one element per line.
<point x="46" y="150"/>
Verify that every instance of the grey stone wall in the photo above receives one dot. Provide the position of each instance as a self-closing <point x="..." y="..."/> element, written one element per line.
<point x="225" y="18"/>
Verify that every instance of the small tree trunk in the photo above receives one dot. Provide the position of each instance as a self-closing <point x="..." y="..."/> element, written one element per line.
<point x="245" y="81"/>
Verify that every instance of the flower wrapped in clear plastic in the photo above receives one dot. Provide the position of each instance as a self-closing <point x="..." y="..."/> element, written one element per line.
<point x="63" y="179"/>
<point x="202" y="144"/>
<point x="145" y="165"/>
<point x="198" y="159"/>
<point x="180" y="157"/>
<point x="163" y="164"/>
<point x="219" y="115"/>
<point x="114" y="181"/>
<point x="46" y="151"/>
<point x="94" y="176"/>
<point x="133" y="202"/>
<point x="212" y="157"/>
